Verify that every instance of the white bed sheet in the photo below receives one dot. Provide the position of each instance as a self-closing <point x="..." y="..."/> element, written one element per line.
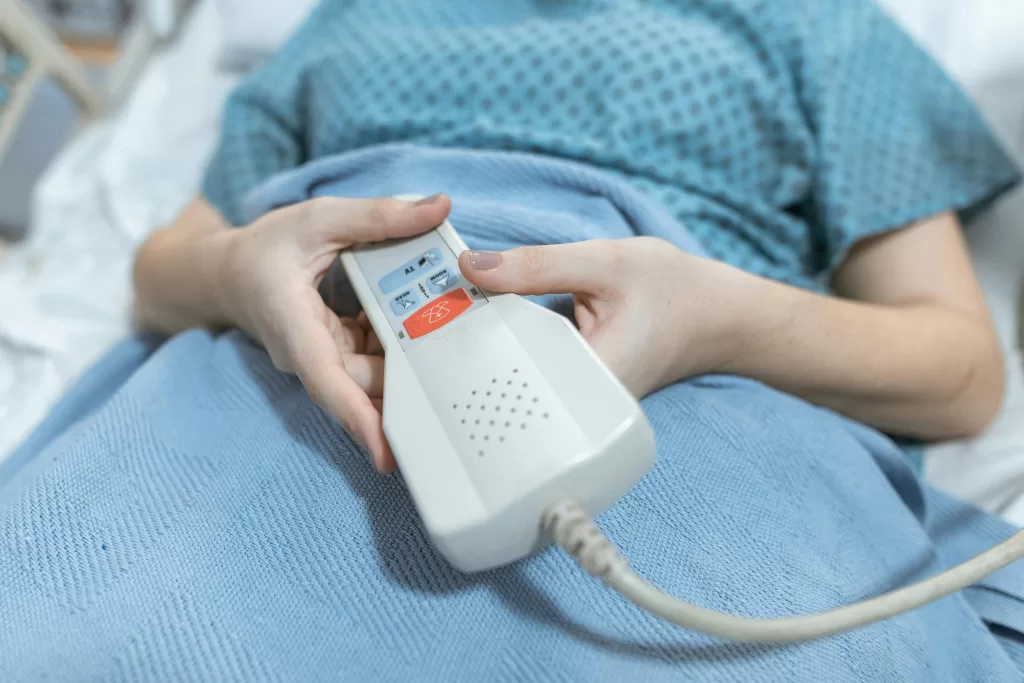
<point x="111" y="187"/>
<point x="131" y="174"/>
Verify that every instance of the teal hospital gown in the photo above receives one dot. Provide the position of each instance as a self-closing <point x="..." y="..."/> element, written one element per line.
<point x="778" y="132"/>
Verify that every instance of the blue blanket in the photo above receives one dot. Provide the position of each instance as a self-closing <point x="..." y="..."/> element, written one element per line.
<point x="188" y="514"/>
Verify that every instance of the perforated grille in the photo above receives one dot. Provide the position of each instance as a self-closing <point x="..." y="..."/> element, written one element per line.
<point x="501" y="408"/>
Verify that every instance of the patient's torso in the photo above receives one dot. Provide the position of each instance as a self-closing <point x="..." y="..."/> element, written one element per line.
<point x="740" y="116"/>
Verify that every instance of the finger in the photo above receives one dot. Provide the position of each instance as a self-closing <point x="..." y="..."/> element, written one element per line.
<point x="363" y="320"/>
<point x="373" y="345"/>
<point x="350" y="336"/>
<point x="377" y="444"/>
<point x="387" y="462"/>
<point x="577" y="268"/>
<point x="332" y="389"/>
<point x="367" y="372"/>
<point x="322" y="370"/>
<point x="342" y="222"/>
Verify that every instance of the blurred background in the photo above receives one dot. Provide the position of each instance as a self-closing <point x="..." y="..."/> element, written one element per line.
<point x="109" y="109"/>
<point x="90" y="29"/>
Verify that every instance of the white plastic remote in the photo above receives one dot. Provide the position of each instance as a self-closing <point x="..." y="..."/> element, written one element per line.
<point x="495" y="407"/>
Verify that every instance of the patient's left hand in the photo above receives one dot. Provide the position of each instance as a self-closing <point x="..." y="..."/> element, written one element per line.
<point x="269" y="276"/>
<point x="653" y="313"/>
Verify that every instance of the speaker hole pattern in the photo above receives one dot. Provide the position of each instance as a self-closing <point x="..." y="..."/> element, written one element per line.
<point x="493" y="430"/>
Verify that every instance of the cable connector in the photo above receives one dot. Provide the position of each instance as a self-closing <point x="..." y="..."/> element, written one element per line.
<point x="574" y="530"/>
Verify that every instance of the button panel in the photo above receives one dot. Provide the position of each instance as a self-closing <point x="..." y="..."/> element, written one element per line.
<point x="425" y="292"/>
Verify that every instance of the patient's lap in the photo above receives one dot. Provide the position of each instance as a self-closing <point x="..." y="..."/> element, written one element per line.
<point x="210" y="497"/>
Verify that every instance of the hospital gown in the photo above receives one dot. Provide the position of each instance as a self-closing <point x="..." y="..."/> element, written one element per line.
<point x="778" y="132"/>
<point x="188" y="514"/>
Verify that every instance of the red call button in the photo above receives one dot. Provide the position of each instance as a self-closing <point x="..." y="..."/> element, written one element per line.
<point x="437" y="313"/>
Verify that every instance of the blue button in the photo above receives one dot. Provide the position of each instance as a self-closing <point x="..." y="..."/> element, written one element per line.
<point x="409" y="271"/>
<point x="442" y="280"/>
<point x="404" y="302"/>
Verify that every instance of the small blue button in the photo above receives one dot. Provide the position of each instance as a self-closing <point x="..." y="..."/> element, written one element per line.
<point x="409" y="271"/>
<point x="442" y="280"/>
<point x="404" y="302"/>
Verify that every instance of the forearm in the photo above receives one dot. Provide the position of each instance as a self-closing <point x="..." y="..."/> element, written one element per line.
<point x="915" y="369"/>
<point x="176" y="273"/>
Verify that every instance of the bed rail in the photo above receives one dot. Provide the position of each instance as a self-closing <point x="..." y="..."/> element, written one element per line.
<point x="30" y="51"/>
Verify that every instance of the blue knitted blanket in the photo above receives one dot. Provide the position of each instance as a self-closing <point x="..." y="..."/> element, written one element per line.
<point x="188" y="514"/>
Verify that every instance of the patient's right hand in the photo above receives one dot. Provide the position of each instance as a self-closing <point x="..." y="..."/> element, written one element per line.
<point x="269" y="284"/>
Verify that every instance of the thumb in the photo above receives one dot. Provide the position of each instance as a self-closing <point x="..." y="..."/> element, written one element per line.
<point x="342" y="222"/>
<point x="577" y="268"/>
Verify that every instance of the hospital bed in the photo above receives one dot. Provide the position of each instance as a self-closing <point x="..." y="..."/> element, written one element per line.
<point x="134" y="170"/>
<point x="30" y="53"/>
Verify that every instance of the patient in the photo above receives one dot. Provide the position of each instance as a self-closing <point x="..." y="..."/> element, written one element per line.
<point x="757" y="208"/>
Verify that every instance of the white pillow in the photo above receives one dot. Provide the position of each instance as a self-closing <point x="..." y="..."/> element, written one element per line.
<point x="978" y="41"/>
<point x="252" y="30"/>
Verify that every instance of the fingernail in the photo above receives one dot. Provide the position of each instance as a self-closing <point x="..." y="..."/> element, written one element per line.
<point x="428" y="200"/>
<point x="484" y="260"/>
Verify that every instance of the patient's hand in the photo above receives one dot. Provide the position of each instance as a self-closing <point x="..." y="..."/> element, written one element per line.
<point x="644" y="305"/>
<point x="908" y="347"/>
<point x="269" y="287"/>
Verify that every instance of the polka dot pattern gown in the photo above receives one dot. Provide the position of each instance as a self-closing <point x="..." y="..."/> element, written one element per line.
<point x="778" y="132"/>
